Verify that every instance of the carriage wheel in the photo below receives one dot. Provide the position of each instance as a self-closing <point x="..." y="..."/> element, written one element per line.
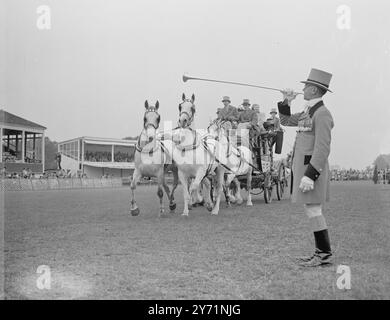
<point x="280" y="183"/>
<point x="280" y="189"/>
<point x="268" y="189"/>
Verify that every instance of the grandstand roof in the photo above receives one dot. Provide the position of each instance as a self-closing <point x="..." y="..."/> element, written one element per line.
<point x="98" y="140"/>
<point x="11" y="119"/>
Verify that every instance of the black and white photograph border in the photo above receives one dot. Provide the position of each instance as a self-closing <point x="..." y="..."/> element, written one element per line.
<point x="194" y="150"/>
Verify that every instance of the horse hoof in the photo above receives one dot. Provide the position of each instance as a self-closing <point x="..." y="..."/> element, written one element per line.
<point x="134" y="212"/>
<point x="209" y="208"/>
<point x="214" y="213"/>
<point x="185" y="215"/>
<point x="172" y="206"/>
<point x="250" y="204"/>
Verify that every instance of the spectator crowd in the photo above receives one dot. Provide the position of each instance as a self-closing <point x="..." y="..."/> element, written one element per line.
<point x="98" y="156"/>
<point x="26" y="173"/>
<point x="368" y="174"/>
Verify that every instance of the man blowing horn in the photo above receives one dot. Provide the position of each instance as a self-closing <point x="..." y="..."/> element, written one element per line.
<point x="310" y="168"/>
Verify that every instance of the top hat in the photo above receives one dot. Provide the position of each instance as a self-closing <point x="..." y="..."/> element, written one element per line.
<point x="273" y="110"/>
<point x="319" y="78"/>
<point x="226" y="98"/>
<point x="246" y="101"/>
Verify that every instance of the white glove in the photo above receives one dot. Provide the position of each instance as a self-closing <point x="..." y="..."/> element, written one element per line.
<point x="289" y="94"/>
<point x="306" y="184"/>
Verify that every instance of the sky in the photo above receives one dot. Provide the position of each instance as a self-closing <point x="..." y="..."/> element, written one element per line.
<point x="90" y="73"/>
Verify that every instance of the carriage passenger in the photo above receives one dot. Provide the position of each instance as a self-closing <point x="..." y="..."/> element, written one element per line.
<point x="228" y="112"/>
<point x="248" y="119"/>
<point x="278" y="138"/>
<point x="260" y="122"/>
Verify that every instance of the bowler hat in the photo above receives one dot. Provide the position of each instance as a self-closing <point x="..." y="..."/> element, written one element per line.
<point x="319" y="78"/>
<point x="226" y="98"/>
<point x="273" y="110"/>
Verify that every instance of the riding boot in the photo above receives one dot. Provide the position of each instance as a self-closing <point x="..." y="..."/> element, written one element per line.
<point x="323" y="253"/>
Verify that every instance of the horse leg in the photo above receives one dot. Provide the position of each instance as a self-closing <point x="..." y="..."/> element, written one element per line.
<point x="227" y="195"/>
<point x="186" y="195"/>
<point x="228" y="181"/>
<point x="190" y="200"/>
<point x="160" y="194"/>
<point x="231" y="192"/>
<point x="172" y="203"/>
<point x="249" y="187"/>
<point x="195" y="185"/>
<point x="206" y="193"/>
<point x="134" y="210"/>
<point x="238" y="191"/>
<point x="199" y="199"/>
<point x="219" y="186"/>
<point x="167" y="191"/>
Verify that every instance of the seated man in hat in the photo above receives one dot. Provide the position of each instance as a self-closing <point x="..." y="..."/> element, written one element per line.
<point x="263" y="127"/>
<point x="248" y="120"/>
<point x="228" y="112"/>
<point x="274" y="126"/>
<point x="259" y="128"/>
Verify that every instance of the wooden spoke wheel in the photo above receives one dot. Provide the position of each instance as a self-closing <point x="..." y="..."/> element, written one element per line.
<point x="280" y="189"/>
<point x="281" y="182"/>
<point x="268" y="189"/>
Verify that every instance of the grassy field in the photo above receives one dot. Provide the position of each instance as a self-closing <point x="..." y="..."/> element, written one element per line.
<point x="96" y="250"/>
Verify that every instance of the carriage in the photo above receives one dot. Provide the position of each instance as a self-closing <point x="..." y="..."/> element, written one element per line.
<point x="268" y="175"/>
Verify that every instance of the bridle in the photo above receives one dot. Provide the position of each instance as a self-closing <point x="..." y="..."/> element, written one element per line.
<point x="155" y="126"/>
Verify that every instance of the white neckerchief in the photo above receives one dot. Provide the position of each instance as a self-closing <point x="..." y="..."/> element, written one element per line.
<point x="311" y="103"/>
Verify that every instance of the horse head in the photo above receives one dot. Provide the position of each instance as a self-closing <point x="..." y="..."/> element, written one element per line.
<point x="151" y="120"/>
<point x="186" y="111"/>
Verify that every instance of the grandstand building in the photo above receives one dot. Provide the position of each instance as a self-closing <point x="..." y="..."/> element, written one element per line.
<point x="97" y="157"/>
<point x="23" y="144"/>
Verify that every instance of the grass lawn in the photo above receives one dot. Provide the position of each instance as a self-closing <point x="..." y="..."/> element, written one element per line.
<point x="96" y="250"/>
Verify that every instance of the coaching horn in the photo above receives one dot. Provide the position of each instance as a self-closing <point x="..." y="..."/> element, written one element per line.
<point x="185" y="78"/>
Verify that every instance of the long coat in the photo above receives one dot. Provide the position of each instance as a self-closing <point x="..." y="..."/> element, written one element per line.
<point x="311" y="150"/>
